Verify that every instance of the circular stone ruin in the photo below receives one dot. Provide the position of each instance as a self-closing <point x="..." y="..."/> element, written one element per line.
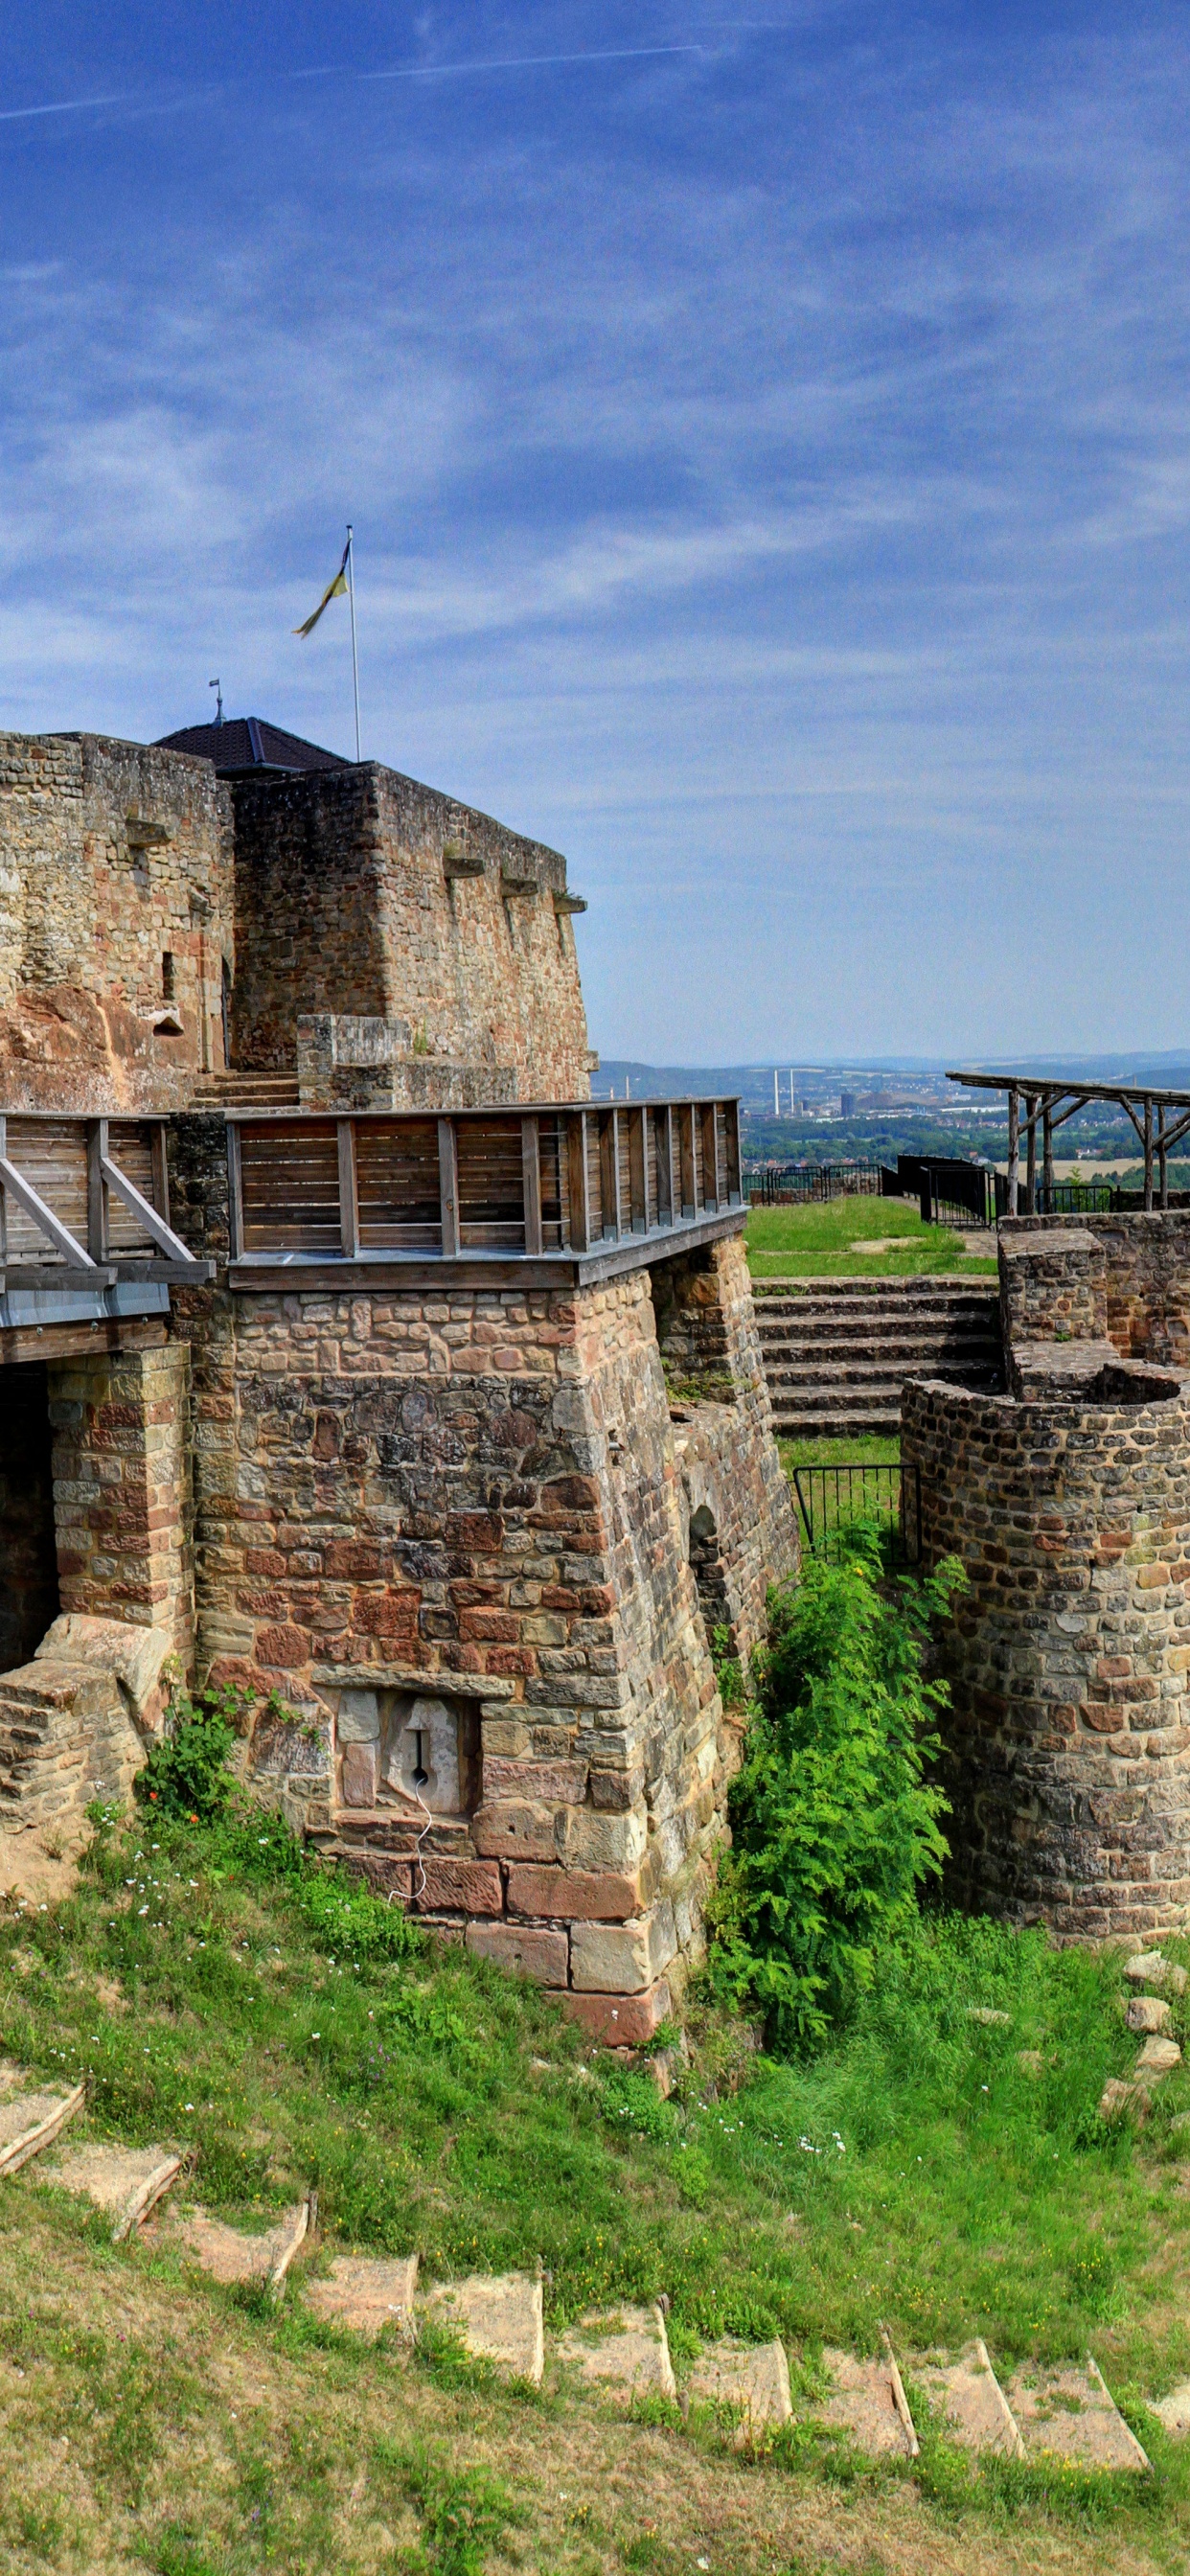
<point x="1067" y="1738"/>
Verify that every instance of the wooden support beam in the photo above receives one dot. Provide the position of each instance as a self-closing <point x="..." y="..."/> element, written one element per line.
<point x="1014" y="1149"/>
<point x="448" y="1188"/>
<point x="146" y="1214"/>
<point x="580" y="1184"/>
<point x="1047" y="1160"/>
<point x="1162" y="1157"/>
<point x="1031" y="1167"/>
<point x="43" y="1217"/>
<point x="348" y="1189"/>
<point x="531" y="1175"/>
<point x="1148" y="1154"/>
<point x="97" y="1204"/>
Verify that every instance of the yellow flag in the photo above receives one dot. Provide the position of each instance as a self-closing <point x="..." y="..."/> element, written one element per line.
<point x="336" y="589"/>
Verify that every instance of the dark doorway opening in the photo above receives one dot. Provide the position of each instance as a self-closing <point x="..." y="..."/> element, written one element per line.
<point x="28" y="1555"/>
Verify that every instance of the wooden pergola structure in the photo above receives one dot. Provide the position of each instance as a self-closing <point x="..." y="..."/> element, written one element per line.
<point x="1160" y="1118"/>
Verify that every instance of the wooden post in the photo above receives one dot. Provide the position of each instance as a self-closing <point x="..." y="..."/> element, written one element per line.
<point x="1162" y="1162"/>
<point x="1148" y="1153"/>
<point x="160" y="1162"/>
<point x="1047" y="1160"/>
<point x="531" y="1174"/>
<point x="580" y="1185"/>
<point x="609" y="1174"/>
<point x="663" y="1132"/>
<point x="1014" y="1148"/>
<point x="1031" y="1165"/>
<point x="235" y="1194"/>
<point x="638" y="1172"/>
<point x="348" y="1189"/>
<point x="97" y="1205"/>
<point x="710" y="1154"/>
<point x="731" y="1119"/>
<point x="448" y="1188"/>
<point x="689" y="1171"/>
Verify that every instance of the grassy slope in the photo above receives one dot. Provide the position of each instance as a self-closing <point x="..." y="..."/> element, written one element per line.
<point x="291" y="2031"/>
<point x="818" y="1241"/>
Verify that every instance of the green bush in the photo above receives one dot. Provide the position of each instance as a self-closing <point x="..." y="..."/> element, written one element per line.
<point x="186" y="1774"/>
<point x="834" y="1824"/>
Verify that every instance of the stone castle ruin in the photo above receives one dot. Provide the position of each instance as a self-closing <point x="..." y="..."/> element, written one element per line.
<point x="351" y="1355"/>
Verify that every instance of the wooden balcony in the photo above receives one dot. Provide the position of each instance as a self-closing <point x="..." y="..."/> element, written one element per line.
<point x="602" y="1187"/>
<point x="84" y="1205"/>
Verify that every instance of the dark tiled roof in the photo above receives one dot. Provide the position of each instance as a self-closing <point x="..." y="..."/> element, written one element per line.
<point x="247" y="743"/>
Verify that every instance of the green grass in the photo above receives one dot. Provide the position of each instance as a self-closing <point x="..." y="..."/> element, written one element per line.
<point x="867" y="1448"/>
<point x="291" y="2029"/>
<point x="819" y="1242"/>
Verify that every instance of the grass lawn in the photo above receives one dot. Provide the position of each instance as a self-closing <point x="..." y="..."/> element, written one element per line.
<point x="820" y="1241"/>
<point x="289" y="2028"/>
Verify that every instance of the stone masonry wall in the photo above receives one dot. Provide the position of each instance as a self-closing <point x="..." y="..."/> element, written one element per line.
<point x="344" y="907"/>
<point x="741" y="1528"/>
<point x="1069" y="1732"/>
<point x="1123" y="1277"/>
<point x="113" y="857"/>
<point x="120" y="1426"/>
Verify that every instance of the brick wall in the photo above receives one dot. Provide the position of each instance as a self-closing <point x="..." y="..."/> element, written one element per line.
<point x="112" y="856"/>
<point x="344" y="907"/>
<point x="1124" y="1277"/>
<point x="1069" y="1732"/>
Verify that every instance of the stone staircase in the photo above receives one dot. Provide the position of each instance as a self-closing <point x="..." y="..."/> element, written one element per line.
<point x="837" y="1351"/>
<point x="246" y="1091"/>
<point x="620" y="2354"/>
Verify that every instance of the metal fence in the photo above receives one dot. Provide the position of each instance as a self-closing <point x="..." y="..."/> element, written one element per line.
<point x="832" y="1500"/>
<point x="783" y="1184"/>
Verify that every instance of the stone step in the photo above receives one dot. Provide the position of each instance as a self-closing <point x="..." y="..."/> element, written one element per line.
<point x="868" y="2402"/>
<point x="1071" y="2415"/>
<point x="624" y="2350"/>
<point x="32" y="2115"/>
<point x="858" y="1370"/>
<point x="497" y="2317"/>
<point x="968" y="2395"/>
<point x="232" y="2255"/>
<point x="124" y="2182"/>
<point x="751" y="2378"/>
<point x="365" y="2294"/>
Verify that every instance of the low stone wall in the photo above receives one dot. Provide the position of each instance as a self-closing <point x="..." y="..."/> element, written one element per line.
<point x="741" y="1527"/>
<point x="1068" y="1737"/>
<point x="120" y="1433"/>
<point x="1123" y="1277"/>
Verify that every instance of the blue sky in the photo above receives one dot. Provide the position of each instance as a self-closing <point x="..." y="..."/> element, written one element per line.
<point x="768" y="446"/>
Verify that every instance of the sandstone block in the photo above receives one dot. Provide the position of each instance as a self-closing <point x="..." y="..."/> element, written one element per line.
<point x="526" y="1951"/>
<point x="623" y="1958"/>
<point x="359" y="1773"/>
<point x="515" y="1831"/>
<point x="622" y="2021"/>
<point x="1148" y="2012"/>
<point x="460" y="1887"/>
<point x="590" y="1840"/>
<point x="572" y="1895"/>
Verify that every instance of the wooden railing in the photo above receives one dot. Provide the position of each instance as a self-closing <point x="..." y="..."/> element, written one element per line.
<point x="492" y="1182"/>
<point x="83" y="1200"/>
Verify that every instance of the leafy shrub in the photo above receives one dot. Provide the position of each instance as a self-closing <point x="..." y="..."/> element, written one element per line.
<point x="186" y="1774"/>
<point x="834" y="1824"/>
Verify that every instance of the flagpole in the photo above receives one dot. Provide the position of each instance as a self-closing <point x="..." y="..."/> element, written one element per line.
<point x="354" y="655"/>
